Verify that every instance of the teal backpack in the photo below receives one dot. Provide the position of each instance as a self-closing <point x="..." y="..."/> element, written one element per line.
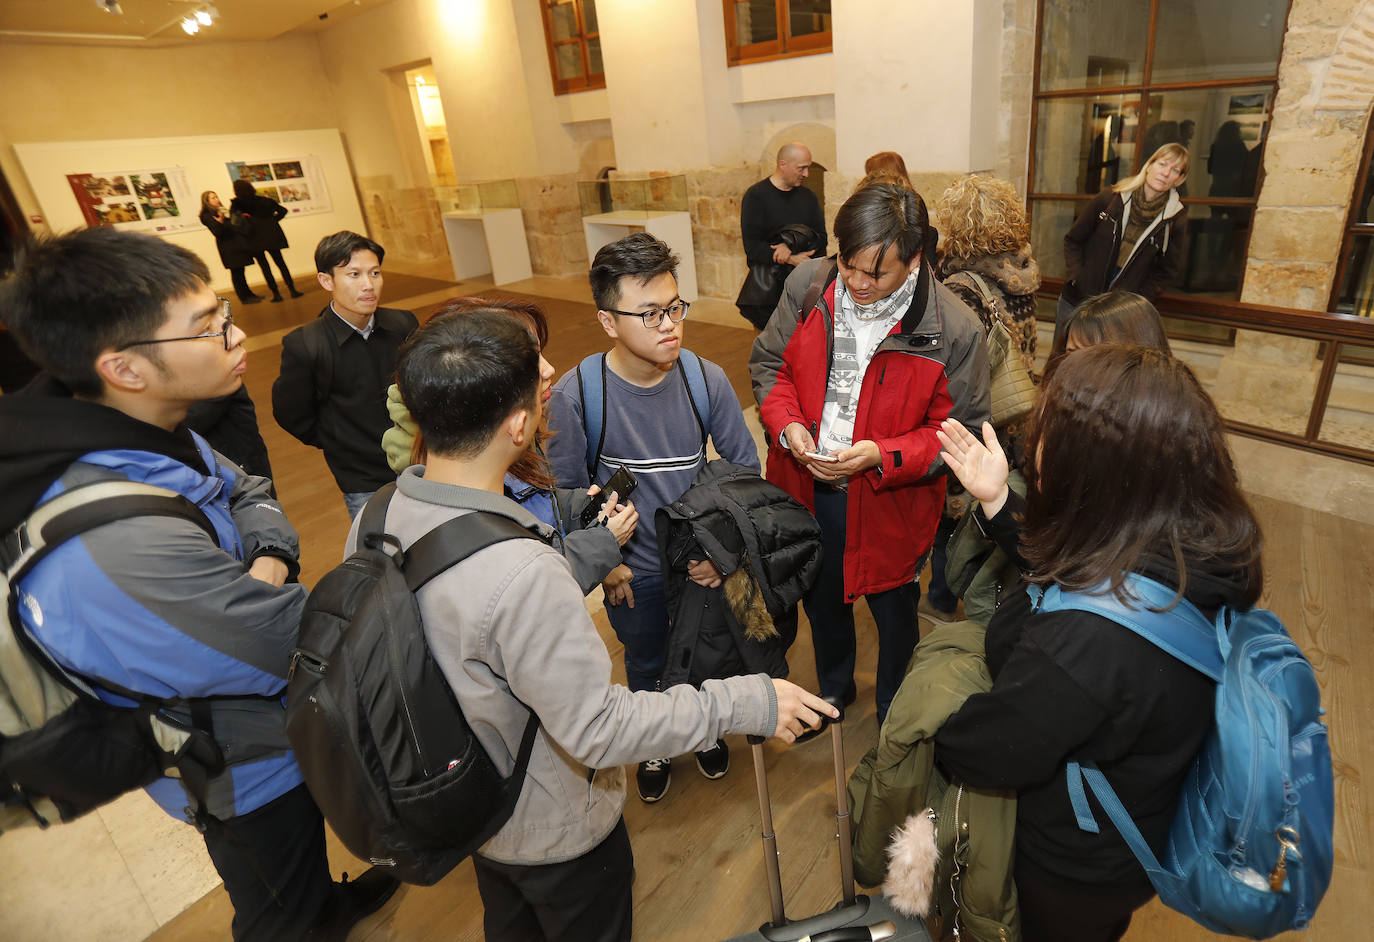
<point x="1250" y="849"/>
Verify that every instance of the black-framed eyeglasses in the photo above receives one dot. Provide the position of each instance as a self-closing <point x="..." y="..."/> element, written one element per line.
<point x="675" y="312"/>
<point x="225" y="311"/>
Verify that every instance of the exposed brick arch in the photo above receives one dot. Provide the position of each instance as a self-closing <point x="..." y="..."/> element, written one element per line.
<point x="1348" y="81"/>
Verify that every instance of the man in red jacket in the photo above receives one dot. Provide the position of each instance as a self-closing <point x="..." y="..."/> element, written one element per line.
<point x="851" y="392"/>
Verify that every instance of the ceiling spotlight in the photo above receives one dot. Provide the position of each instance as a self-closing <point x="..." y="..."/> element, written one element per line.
<point x="190" y="26"/>
<point x="203" y="17"/>
<point x="110" y="6"/>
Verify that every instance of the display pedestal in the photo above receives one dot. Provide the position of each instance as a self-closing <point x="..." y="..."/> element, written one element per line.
<point x="673" y="228"/>
<point x="488" y="241"/>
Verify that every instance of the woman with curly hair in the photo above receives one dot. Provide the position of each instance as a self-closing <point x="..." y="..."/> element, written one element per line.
<point x="985" y="237"/>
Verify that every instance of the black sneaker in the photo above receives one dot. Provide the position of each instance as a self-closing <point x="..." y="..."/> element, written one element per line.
<point x="714" y="762"/>
<point x="652" y="777"/>
<point x="353" y="901"/>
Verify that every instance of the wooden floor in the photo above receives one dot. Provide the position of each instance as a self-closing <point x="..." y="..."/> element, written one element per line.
<point x="697" y="852"/>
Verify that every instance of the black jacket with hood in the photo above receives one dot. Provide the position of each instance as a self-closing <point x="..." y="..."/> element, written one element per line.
<point x="1075" y="685"/>
<point x="1093" y="242"/>
<point x="767" y="548"/>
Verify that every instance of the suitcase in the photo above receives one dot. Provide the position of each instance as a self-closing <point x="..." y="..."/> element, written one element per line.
<point x="856" y="917"/>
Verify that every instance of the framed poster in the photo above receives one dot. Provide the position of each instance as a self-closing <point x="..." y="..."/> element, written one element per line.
<point x="158" y="200"/>
<point x="297" y="183"/>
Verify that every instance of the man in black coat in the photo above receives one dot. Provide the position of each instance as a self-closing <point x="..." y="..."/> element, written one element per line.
<point x="775" y="202"/>
<point x="331" y="392"/>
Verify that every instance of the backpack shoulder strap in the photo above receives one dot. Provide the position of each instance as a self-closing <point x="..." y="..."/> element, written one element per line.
<point x="823" y="276"/>
<point x="444" y="547"/>
<point x="591" y="391"/>
<point x="694" y="376"/>
<point x="1181" y="631"/>
<point x="68" y="515"/>
<point x="83" y="508"/>
<point x="315" y="337"/>
<point x="454" y="541"/>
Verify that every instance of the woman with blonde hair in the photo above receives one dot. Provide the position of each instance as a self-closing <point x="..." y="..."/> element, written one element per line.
<point x="1132" y="236"/>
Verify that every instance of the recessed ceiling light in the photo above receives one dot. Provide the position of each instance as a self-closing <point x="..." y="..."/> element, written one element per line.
<point x="203" y="17"/>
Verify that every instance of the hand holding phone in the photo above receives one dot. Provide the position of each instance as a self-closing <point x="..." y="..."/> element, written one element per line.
<point x="622" y="482"/>
<point x="817" y="456"/>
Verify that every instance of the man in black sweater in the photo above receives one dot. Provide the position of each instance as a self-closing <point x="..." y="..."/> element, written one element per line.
<point x="776" y="201"/>
<point x="331" y="392"/>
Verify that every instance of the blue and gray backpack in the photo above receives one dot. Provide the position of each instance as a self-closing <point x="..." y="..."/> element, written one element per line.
<point x="1250" y="849"/>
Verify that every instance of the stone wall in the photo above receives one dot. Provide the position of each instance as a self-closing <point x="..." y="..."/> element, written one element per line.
<point x="1321" y="114"/>
<point x="406" y="221"/>
<point x="553" y="225"/>
<point x="1018" y="71"/>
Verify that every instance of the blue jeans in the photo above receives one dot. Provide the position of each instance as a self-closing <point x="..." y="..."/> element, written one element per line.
<point x="832" y="618"/>
<point x="643" y="630"/>
<point x="354" y="502"/>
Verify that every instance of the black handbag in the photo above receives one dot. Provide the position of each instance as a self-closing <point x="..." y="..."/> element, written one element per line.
<point x="763" y="285"/>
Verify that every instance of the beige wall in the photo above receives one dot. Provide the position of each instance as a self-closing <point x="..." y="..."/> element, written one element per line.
<point x="55" y="92"/>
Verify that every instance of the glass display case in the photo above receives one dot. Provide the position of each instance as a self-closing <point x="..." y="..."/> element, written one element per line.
<point x="479" y="196"/>
<point x="642" y="196"/>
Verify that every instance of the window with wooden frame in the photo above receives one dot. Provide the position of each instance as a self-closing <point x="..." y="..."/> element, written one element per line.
<point x="574" y="41"/>
<point x="1114" y="81"/>
<point x="1353" y="292"/>
<point x="760" y="30"/>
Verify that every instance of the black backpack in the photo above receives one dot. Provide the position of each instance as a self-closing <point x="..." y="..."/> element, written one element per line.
<point x="379" y="736"/>
<point x="63" y="750"/>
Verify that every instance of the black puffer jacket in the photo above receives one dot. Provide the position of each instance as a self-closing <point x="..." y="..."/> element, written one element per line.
<point x="767" y="547"/>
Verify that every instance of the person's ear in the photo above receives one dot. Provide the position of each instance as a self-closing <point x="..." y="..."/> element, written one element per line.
<point x="608" y="324"/>
<point x="326" y="281"/>
<point x="123" y="371"/>
<point x="516" y="425"/>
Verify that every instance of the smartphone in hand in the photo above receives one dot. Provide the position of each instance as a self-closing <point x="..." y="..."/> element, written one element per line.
<point x="820" y="457"/>
<point x="622" y="482"/>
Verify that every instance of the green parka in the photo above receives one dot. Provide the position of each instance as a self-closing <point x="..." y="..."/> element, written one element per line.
<point x="898" y="778"/>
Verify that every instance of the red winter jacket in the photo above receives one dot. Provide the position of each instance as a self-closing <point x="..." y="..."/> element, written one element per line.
<point x="933" y="364"/>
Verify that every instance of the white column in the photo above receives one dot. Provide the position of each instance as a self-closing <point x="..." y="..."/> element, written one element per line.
<point x="919" y="77"/>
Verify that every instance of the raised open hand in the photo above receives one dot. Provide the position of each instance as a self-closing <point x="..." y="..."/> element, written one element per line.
<point x="980" y="466"/>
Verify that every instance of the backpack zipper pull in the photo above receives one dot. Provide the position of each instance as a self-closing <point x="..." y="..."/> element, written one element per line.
<point x="1286" y="843"/>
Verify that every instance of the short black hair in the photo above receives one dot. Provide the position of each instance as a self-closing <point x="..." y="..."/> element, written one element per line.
<point x="639" y="255"/>
<point x="244" y="188"/>
<point x="335" y="250"/>
<point x="461" y="377"/>
<point x="884" y="215"/>
<point x="75" y="295"/>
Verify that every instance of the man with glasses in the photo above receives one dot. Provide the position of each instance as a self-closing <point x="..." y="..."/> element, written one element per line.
<point x="652" y="425"/>
<point x="130" y="335"/>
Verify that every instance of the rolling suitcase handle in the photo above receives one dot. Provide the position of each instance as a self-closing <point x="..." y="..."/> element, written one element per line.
<point x="851" y="908"/>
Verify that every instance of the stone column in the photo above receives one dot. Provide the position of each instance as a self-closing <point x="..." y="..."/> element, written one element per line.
<point x="1310" y="163"/>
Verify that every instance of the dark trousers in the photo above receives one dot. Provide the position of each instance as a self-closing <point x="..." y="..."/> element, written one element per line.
<point x="281" y="266"/>
<point x="1057" y="910"/>
<point x="831" y="615"/>
<point x="274" y="867"/>
<point x="643" y="630"/>
<point x="587" y="899"/>
<point x="938" y="591"/>
<point x="261" y="259"/>
<point x="240" y="283"/>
